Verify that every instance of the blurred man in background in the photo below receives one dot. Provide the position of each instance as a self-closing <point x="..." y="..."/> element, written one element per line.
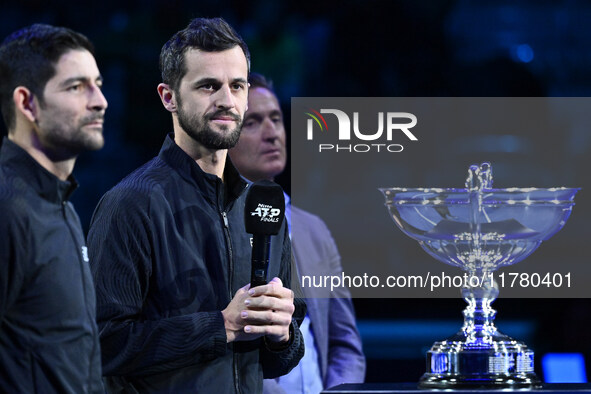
<point x="333" y="347"/>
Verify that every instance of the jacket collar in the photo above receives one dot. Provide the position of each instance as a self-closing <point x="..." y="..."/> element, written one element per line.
<point x="172" y="154"/>
<point x="43" y="182"/>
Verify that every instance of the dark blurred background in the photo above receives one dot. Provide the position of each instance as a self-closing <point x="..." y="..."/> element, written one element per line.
<point x="353" y="48"/>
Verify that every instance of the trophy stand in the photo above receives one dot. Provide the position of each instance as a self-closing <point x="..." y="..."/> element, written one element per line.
<point x="479" y="229"/>
<point x="479" y="354"/>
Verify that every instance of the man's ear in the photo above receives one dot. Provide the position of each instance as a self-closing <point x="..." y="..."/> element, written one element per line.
<point x="25" y="103"/>
<point x="247" y="93"/>
<point x="167" y="97"/>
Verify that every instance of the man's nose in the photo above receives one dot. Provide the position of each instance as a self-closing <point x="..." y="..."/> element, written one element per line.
<point x="97" y="99"/>
<point x="270" y="129"/>
<point x="224" y="98"/>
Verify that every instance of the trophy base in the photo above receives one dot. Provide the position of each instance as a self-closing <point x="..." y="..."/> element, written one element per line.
<point x="438" y="381"/>
<point x="501" y="363"/>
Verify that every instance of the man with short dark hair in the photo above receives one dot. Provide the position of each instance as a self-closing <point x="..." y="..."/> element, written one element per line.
<point x="334" y="353"/>
<point x="171" y="259"/>
<point x="51" y="101"/>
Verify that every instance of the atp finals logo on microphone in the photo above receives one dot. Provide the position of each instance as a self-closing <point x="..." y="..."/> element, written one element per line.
<point x="391" y="126"/>
<point x="267" y="213"/>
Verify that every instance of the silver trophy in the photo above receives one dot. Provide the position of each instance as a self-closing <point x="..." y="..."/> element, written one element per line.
<point x="479" y="229"/>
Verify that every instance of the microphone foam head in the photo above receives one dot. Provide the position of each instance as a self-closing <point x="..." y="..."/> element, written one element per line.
<point x="264" y="208"/>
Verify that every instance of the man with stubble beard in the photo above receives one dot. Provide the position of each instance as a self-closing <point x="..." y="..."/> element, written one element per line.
<point x="53" y="107"/>
<point x="171" y="259"/>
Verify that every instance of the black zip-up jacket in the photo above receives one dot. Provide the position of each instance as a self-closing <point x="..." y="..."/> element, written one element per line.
<point x="169" y="251"/>
<point x="48" y="334"/>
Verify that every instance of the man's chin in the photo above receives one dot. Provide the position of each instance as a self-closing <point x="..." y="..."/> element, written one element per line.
<point x="219" y="145"/>
<point x="95" y="142"/>
<point x="273" y="169"/>
<point x="223" y="125"/>
<point x="97" y="146"/>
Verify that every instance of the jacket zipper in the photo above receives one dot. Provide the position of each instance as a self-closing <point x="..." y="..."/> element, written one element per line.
<point x="84" y="290"/>
<point x="231" y="283"/>
<point x="230" y="254"/>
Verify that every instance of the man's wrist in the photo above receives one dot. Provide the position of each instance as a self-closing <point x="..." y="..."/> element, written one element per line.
<point x="279" y="346"/>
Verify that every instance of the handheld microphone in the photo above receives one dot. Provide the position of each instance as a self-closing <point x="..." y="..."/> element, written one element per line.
<point x="264" y="211"/>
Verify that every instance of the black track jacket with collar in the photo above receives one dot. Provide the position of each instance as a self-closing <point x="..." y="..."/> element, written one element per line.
<point x="48" y="333"/>
<point x="169" y="251"/>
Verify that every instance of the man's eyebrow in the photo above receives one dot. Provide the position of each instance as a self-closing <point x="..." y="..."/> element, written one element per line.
<point x="72" y="80"/>
<point x="259" y="116"/>
<point x="253" y="115"/>
<point x="239" y="80"/>
<point x="206" y="81"/>
<point x="217" y="82"/>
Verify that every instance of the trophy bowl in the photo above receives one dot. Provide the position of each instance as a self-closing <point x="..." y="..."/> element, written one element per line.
<point x="479" y="229"/>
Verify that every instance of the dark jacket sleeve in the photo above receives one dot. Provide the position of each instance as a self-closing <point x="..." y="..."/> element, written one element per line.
<point x="15" y="247"/>
<point x="279" y="362"/>
<point x="120" y="244"/>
